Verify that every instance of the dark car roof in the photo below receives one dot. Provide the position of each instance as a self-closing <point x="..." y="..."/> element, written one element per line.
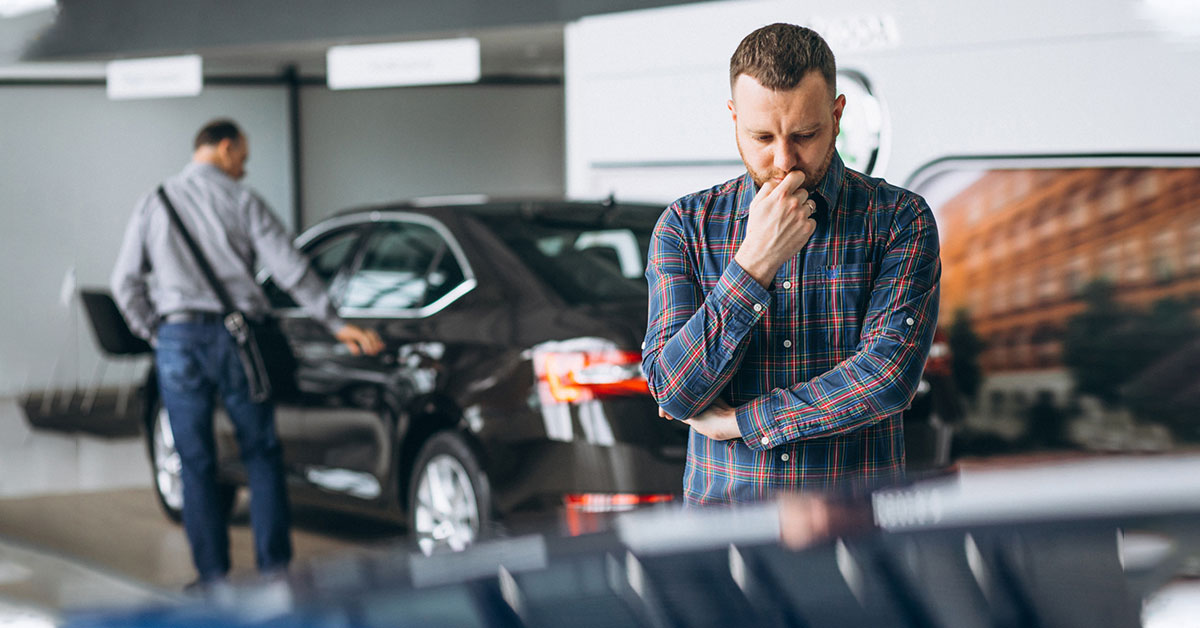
<point x="499" y="205"/>
<point x="557" y="209"/>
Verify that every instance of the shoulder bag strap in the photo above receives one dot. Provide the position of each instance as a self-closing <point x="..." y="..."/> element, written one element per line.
<point x="201" y="261"/>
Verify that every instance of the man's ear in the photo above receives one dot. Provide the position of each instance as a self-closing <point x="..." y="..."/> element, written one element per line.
<point x="839" y="105"/>
<point x="732" y="110"/>
<point x="223" y="147"/>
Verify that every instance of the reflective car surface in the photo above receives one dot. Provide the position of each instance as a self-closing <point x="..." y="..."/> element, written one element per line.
<point x="511" y="380"/>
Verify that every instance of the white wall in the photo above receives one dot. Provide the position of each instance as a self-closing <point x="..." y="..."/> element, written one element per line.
<point x="40" y="462"/>
<point x="375" y="146"/>
<point x="646" y="90"/>
<point x="72" y="164"/>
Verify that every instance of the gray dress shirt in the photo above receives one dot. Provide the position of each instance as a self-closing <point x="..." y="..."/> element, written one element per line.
<point x="156" y="274"/>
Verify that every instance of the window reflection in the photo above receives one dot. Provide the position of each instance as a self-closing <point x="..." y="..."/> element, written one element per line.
<point x="405" y="266"/>
<point x="1082" y="287"/>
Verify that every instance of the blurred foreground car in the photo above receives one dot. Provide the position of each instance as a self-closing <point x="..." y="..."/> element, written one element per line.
<point x="511" y="381"/>
<point x="1082" y="544"/>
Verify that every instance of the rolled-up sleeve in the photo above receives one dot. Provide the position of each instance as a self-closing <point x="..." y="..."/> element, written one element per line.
<point x="881" y="377"/>
<point x="694" y="344"/>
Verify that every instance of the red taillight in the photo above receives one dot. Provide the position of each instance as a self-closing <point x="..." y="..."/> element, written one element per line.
<point x="585" y="512"/>
<point x="611" y="502"/>
<point x="574" y="376"/>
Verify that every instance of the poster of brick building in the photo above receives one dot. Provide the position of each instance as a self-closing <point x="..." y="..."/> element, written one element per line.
<point x="1082" y="286"/>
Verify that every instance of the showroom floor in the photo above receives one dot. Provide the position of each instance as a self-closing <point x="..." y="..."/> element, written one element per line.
<point x="80" y="525"/>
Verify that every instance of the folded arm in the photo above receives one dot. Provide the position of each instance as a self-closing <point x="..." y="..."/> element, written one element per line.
<point x="694" y="344"/>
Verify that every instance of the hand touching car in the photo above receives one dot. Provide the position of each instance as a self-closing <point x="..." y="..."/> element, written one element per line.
<point x="360" y="341"/>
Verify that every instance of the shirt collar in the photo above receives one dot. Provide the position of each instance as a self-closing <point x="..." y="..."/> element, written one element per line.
<point x="204" y="169"/>
<point x="827" y="193"/>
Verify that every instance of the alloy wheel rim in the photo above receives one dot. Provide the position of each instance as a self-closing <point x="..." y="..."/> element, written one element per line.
<point x="447" y="513"/>
<point x="168" y="467"/>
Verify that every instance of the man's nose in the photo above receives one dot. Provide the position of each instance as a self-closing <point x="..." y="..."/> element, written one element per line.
<point x="786" y="159"/>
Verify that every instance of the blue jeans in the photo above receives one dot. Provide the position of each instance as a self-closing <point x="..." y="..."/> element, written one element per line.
<point x="196" y="361"/>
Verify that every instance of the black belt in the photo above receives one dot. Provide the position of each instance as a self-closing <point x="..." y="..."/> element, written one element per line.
<point x="193" y="316"/>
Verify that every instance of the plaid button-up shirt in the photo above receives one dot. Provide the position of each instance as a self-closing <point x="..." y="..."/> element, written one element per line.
<point x="820" y="365"/>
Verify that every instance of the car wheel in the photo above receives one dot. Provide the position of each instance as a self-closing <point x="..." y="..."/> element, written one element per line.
<point x="167" y="469"/>
<point x="449" y="498"/>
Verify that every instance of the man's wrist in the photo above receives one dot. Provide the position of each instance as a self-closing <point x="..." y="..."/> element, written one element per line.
<point x="752" y="427"/>
<point x="731" y="416"/>
<point x="761" y="271"/>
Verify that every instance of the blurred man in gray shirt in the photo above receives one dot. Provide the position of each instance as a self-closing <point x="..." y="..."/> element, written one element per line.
<point x="165" y="298"/>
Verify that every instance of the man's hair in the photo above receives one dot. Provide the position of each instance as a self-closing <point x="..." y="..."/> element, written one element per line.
<point x="216" y="131"/>
<point x="780" y="55"/>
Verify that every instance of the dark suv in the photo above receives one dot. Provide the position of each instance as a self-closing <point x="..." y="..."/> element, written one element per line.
<point x="511" y="381"/>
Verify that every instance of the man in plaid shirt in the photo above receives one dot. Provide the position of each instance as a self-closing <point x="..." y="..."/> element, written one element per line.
<point x="792" y="308"/>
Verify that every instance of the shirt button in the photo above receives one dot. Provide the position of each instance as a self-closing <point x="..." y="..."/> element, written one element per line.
<point x="766" y="441"/>
<point x="909" y="321"/>
<point x="784" y="457"/>
<point x="787" y="285"/>
<point x="787" y="344"/>
<point x="758" y="308"/>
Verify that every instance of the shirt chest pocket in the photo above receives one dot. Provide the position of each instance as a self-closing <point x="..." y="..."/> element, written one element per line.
<point x="836" y="298"/>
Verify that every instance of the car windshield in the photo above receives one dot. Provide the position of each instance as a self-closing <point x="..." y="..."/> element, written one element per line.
<point x="587" y="254"/>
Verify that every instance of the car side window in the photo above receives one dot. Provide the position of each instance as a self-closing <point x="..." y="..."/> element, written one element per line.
<point x="326" y="255"/>
<point x="405" y="266"/>
<point x="329" y="255"/>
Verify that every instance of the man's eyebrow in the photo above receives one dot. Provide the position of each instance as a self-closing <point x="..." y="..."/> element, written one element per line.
<point x="809" y="129"/>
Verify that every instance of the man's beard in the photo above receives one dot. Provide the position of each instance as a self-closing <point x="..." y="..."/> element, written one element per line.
<point x="810" y="182"/>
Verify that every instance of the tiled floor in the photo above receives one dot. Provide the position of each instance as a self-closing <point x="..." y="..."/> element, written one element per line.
<point x="124" y="532"/>
<point x="80" y="525"/>
<point x="40" y="580"/>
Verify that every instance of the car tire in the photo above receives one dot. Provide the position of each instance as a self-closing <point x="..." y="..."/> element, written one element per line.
<point x="449" y="505"/>
<point x="166" y="469"/>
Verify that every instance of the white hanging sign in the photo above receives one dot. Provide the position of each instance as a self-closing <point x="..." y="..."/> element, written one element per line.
<point x="411" y="63"/>
<point x="160" y="77"/>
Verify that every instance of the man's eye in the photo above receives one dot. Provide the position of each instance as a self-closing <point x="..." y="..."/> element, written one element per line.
<point x="802" y="137"/>
<point x="763" y="138"/>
